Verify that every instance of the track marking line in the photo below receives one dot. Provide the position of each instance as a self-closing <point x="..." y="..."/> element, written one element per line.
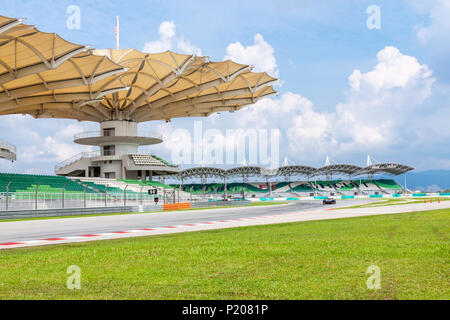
<point x="149" y="230"/>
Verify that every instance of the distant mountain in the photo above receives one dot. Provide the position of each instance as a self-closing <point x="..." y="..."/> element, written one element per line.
<point x="430" y="180"/>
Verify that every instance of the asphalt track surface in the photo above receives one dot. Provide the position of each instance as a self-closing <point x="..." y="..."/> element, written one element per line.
<point x="17" y="231"/>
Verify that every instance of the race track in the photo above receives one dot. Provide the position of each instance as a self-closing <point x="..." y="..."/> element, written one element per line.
<point x="48" y="231"/>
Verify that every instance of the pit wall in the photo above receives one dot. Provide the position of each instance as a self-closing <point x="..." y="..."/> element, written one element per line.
<point x="385" y="196"/>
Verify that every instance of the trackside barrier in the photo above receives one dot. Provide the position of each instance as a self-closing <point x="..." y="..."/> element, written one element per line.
<point x="21" y="214"/>
<point x="220" y="204"/>
<point x="176" y="206"/>
<point x="419" y="195"/>
<point x="351" y="197"/>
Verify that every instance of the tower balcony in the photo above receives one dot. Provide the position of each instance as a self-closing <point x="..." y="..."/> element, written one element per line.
<point x="99" y="138"/>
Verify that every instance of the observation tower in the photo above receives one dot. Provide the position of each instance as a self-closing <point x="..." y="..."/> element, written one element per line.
<point x="47" y="77"/>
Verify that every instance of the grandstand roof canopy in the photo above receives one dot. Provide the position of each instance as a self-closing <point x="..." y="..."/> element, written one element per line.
<point x="43" y="75"/>
<point x="201" y="172"/>
<point x="349" y="169"/>
<point x="169" y="85"/>
<point x="293" y="170"/>
<point x="390" y="168"/>
<point x="248" y="171"/>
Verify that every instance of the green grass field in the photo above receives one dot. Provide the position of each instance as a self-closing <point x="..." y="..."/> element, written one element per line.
<point x="395" y="202"/>
<point x="324" y="259"/>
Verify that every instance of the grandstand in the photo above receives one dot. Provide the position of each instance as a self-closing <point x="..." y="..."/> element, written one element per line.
<point x="25" y="191"/>
<point x="300" y="188"/>
<point x="28" y="191"/>
<point x="355" y="184"/>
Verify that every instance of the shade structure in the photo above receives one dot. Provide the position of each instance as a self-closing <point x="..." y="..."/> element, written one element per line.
<point x="24" y="50"/>
<point x="45" y="76"/>
<point x="389" y="168"/>
<point x="7" y="23"/>
<point x="348" y="169"/>
<point x="168" y="85"/>
<point x="136" y="86"/>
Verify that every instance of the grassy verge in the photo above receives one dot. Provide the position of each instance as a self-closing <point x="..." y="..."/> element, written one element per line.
<point x="324" y="259"/>
<point x="254" y="204"/>
<point x="394" y="202"/>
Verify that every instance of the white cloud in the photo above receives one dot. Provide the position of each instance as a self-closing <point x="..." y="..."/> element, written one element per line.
<point x="380" y="105"/>
<point x="40" y="143"/>
<point x="169" y="40"/>
<point x="260" y="55"/>
<point x="434" y="35"/>
<point x="384" y="114"/>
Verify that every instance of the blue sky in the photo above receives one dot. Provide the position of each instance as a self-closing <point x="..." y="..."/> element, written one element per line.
<point x="394" y="107"/>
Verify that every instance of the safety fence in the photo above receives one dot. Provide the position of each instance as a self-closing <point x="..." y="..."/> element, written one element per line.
<point x="62" y="200"/>
<point x="385" y="196"/>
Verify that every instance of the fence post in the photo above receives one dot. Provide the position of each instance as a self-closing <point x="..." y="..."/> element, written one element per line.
<point x="84" y="195"/>
<point x="125" y="196"/>
<point x="225" y="197"/>
<point x="7" y="195"/>
<point x="36" y="196"/>
<point x="106" y="194"/>
<point x="63" y="189"/>
<point x="140" y="194"/>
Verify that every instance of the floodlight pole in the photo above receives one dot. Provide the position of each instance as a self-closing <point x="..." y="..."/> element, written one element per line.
<point x="117" y="32"/>
<point x="405" y="183"/>
<point x="7" y="195"/>
<point x="125" y="196"/>
<point x="224" y="188"/>
<point x="36" y="196"/>
<point x="106" y="195"/>
<point x="84" y="194"/>
<point x="63" y="189"/>
<point x="360" y="180"/>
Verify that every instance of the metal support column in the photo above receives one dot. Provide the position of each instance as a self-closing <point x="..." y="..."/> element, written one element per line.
<point x="225" y="188"/>
<point x="106" y="194"/>
<point x="125" y="196"/>
<point x="63" y="190"/>
<point x="84" y="195"/>
<point x="7" y="195"/>
<point x="36" y="197"/>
